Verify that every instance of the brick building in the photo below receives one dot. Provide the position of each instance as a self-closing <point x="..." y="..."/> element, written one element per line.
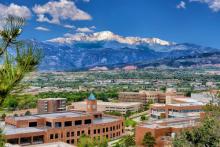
<point x="50" y="105"/>
<point x="164" y="130"/>
<point x="62" y="126"/>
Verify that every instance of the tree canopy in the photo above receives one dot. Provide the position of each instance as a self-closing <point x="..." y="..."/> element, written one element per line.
<point x="148" y="140"/>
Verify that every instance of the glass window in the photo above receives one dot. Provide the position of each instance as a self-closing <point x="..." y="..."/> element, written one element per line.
<point x="32" y="124"/>
<point x="51" y="136"/>
<point x="72" y="133"/>
<point x="67" y="134"/>
<point x="58" y="124"/>
<point x="56" y="136"/>
<point x="78" y="122"/>
<point x="68" y="123"/>
<point x="48" y="124"/>
<point x="88" y="121"/>
<point x="78" y="133"/>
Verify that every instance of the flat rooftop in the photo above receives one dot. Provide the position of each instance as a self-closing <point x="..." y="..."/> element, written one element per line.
<point x="172" y="122"/>
<point x="116" y="104"/>
<point x="105" y="119"/>
<point x="13" y="131"/>
<point x="51" y="115"/>
<point x="53" y="99"/>
<point x="54" y="144"/>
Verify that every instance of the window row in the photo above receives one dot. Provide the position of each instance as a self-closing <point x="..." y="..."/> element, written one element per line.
<point x="69" y="123"/>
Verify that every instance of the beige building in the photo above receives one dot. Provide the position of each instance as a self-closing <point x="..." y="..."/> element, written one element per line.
<point x="121" y="107"/>
<point x="146" y="96"/>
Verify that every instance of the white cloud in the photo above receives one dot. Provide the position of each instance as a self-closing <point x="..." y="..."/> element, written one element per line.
<point x="69" y="26"/>
<point x="213" y="4"/>
<point x="58" y="11"/>
<point x="181" y="5"/>
<point x="15" y="10"/>
<point x="42" y="29"/>
<point x="92" y="27"/>
<point x="86" y="1"/>
<point x="84" y="30"/>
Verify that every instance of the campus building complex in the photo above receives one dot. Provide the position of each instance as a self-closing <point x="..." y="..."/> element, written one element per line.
<point x="146" y="96"/>
<point x="176" y="114"/>
<point x="122" y="107"/>
<point x="65" y="126"/>
<point x="164" y="130"/>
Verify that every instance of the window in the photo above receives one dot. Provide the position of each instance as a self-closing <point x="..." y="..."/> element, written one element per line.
<point x="72" y="133"/>
<point x="110" y="128"/>
<point x="94" y="132"/>
<point x="88" y="121"/>
<point x="78" y="122"/>
<point x="56" y="136"/>
<point x="67" y="134"/>
<point x="82" y="132"/>
<point x="103" y="130"/>
<point x="68" y="123"/>
<point x="106" y="129"/>
<point x="98" y="131"/>
<point x="68" y="141"/>
<point x="88" y="132"/>
<point x="51" y="136"/>
<point x="48" y="124"/>
<point x="72" y="141"/>
<point x="32" y="124"/>
<point x="58" y="124"/>
<point x="113" y="127"/>
<point x="78" y="133"/>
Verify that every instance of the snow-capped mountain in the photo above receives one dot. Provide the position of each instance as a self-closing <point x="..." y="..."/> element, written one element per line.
<point x="108" y="36"/>
<point x="106" y="49"/>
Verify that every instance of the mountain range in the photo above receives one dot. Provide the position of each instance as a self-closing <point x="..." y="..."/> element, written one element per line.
<point x="83" y="51"/>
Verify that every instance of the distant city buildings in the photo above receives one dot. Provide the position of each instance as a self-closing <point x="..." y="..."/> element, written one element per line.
<point x="54" y="124"/>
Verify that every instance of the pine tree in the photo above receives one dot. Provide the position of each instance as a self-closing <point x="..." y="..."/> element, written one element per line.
<point x="15" y="66"/>
<point x="148" y="140"/>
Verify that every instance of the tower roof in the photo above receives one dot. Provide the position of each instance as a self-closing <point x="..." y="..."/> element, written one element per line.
<point x="91" y="97"/>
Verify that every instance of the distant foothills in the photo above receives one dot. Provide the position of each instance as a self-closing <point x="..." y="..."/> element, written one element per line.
<point x="106" y="50"/>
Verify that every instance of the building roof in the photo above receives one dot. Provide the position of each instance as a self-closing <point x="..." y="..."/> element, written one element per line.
<point x="113" y="104"/>
<point x="91" y="97"/>
<point x="51" y="115"/>
<point x="46" y="99"/>
<point x="53" y="144"/>
<point x="172" y="122"/>
<point x="12" y="131"/>
<point x="105" y="119"/>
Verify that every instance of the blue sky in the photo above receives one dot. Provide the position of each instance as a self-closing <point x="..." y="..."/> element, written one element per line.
<point x="193" y="21"/>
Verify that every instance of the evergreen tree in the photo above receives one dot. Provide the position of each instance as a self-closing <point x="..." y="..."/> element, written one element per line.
<point x="23" y="60"/>
<point x="148" y="140"/>
<point x="129" y="141"/>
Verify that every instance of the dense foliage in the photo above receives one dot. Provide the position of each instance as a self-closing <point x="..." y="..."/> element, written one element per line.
<point x="206" y="134"/>
<point x="148" y="140"/>
<point x="86" y="141"/>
